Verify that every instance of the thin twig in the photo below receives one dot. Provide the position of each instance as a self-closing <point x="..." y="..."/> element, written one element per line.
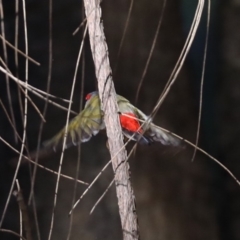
<point x="205" y="153"/>
<point x="20" y="89"/>
<point x="202" y="81"/>
<point x="96" y="178"/>
<point x="19" y="51"/>
<point x="35" y="212"/>
<point x="105" y="192"/>
<point x="80" y="26"/>
<point x="6" y="76"/>
<point x="102" y="196"/>
<point x="20" y="211"/>
<point x="123" y="35"/>
<point x="12" y="232"/>
<point x="151" y="51"/>
<point x="25" y="118"/>
<point x="65" y="138"/>
<point x="89" y="187"/>
<point x="24" y="212"/>
<point x="182" y="57"/>
<point x="16" y="55"/>
<point x="30" y="88"/>
<point x="79" y="145"/>
<point x="50" y="57"/>
<point x="39" y="165"/>
<point x="9" y="119"/>
<point x="36" y="90"/>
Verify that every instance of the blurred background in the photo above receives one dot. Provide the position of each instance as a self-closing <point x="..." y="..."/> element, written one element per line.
<point x="176" y="198"/>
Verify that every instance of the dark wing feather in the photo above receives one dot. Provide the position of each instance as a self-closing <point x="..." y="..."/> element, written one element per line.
<point x="158" y="135"/>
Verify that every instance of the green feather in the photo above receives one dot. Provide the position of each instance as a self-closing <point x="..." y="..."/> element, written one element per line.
<point x="82" y="127"/>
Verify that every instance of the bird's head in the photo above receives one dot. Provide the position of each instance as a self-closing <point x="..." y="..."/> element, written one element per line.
<point x="90" y="95"/>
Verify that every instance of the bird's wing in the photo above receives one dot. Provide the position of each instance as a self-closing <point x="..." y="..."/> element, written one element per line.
<point x="81" y="128"/>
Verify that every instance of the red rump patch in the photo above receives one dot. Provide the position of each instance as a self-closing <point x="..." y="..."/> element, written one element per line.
<point x="130" y="122"/>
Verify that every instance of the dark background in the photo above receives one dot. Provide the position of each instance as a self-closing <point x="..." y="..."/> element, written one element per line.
<point x="176" y="198"/>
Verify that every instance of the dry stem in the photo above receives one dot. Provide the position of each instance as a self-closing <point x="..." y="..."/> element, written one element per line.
<point x="107" y="94"/>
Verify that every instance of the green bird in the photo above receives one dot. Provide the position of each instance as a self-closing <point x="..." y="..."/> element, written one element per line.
<point x="135" y="125"/>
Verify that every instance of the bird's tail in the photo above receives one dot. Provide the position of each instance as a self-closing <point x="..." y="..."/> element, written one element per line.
<point x="166" y="138"/>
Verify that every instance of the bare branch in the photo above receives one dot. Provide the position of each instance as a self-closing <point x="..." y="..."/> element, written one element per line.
<point x="126" y="199"/>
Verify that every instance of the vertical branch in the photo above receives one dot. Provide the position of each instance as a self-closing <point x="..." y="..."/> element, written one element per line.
<point x="107" y="94"/>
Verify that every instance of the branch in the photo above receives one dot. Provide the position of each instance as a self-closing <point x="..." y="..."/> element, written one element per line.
<point x="109" y="106"/>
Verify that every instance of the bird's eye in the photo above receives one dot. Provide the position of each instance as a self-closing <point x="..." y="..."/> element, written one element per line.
<point x="88" y="96"/>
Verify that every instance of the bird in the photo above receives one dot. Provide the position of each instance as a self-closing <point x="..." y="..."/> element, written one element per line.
<point x="135" y="125"/>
